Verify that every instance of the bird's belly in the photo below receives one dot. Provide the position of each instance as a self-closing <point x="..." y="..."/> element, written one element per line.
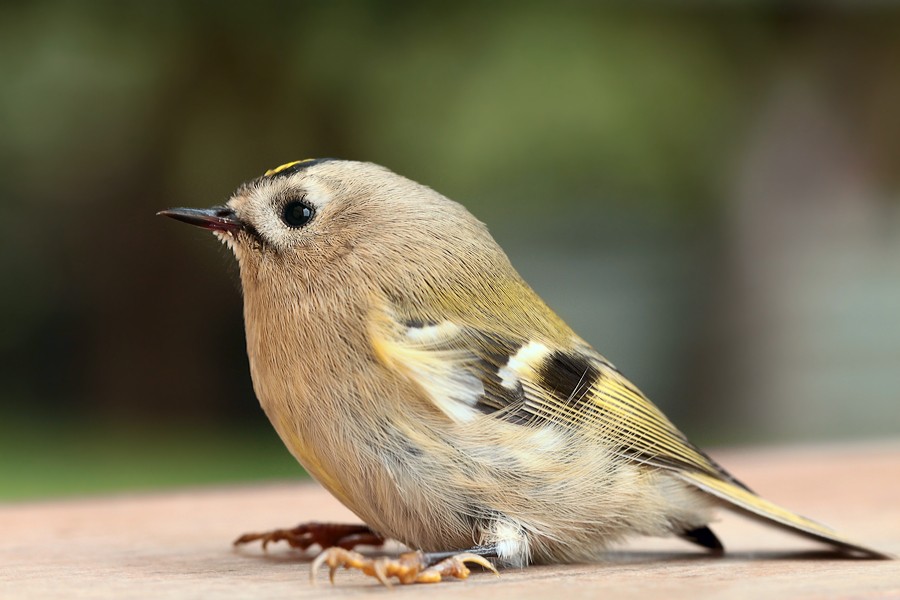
<point x="553" y="496"/>
<point x="435" y="485"/>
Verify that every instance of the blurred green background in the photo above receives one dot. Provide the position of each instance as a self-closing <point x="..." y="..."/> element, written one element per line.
<point x="709" y="195"/>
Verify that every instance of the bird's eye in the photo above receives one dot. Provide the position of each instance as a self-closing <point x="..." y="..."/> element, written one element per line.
<point x="297" y="213"/>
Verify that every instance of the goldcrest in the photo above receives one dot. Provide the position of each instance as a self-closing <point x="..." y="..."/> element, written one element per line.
<point x="409" y="368"/>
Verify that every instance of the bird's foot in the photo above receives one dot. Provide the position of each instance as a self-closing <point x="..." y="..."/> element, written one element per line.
<point x="325" y="535"/>
<point x="410" y="567"/>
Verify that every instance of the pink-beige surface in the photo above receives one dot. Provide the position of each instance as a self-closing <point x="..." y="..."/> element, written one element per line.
<point x="178" y="544"/>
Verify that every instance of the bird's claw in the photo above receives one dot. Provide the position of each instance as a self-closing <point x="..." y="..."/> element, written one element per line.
<point x="275" y="535"/>
<point x="325" y="535"/>
<point x="410" y="567"/>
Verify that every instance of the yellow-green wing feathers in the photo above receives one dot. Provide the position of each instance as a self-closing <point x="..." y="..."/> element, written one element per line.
<point x="641" y="428"/>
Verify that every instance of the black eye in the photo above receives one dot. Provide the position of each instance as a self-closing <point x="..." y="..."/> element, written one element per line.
<point x="297" y="214"/>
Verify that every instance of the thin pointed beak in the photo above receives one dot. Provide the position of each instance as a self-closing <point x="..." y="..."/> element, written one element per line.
<point x="217" y="218"/>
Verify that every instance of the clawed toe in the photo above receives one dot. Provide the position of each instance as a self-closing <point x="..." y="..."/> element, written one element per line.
<point x="455" y="566"/>
<point x="276" y="535"/>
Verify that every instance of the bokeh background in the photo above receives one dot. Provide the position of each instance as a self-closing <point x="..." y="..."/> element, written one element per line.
<point x="709" y="195"/>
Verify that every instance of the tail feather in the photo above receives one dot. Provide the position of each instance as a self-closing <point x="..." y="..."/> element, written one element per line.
<point x="755" y="506"/>
<point x="703" y="536"/>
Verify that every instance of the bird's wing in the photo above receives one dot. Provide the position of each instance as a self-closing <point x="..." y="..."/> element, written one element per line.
<point x="469" y="373"/>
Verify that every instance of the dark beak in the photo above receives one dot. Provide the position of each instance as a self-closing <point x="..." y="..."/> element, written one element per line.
<point x="217" y="218"/>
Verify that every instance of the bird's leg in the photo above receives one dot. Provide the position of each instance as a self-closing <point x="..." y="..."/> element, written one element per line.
<point x="411" y="567"/>
<point x="325" y="535"/>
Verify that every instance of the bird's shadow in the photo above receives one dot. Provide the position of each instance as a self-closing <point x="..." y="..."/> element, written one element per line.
<point x="624" y="557"/>
<point x="284" y="554"/>
<point x="644" y="556"/>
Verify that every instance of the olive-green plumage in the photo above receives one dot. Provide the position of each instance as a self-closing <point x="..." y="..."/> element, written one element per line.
<point x="409" y="368"/>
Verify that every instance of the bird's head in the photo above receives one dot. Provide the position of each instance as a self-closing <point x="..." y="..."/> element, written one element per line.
<point x="342" y="222"/>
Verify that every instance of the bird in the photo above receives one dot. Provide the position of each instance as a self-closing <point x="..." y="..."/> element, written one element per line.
<point x="410" y="370"/>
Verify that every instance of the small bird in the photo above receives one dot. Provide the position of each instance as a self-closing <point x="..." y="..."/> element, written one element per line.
<point x="408" y="367"/>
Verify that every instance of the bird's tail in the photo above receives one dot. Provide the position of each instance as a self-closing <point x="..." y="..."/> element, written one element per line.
<point x="757" y="507"/>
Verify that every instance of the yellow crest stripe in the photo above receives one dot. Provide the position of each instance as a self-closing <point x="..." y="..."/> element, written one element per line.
<point x="281" y="168"/>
